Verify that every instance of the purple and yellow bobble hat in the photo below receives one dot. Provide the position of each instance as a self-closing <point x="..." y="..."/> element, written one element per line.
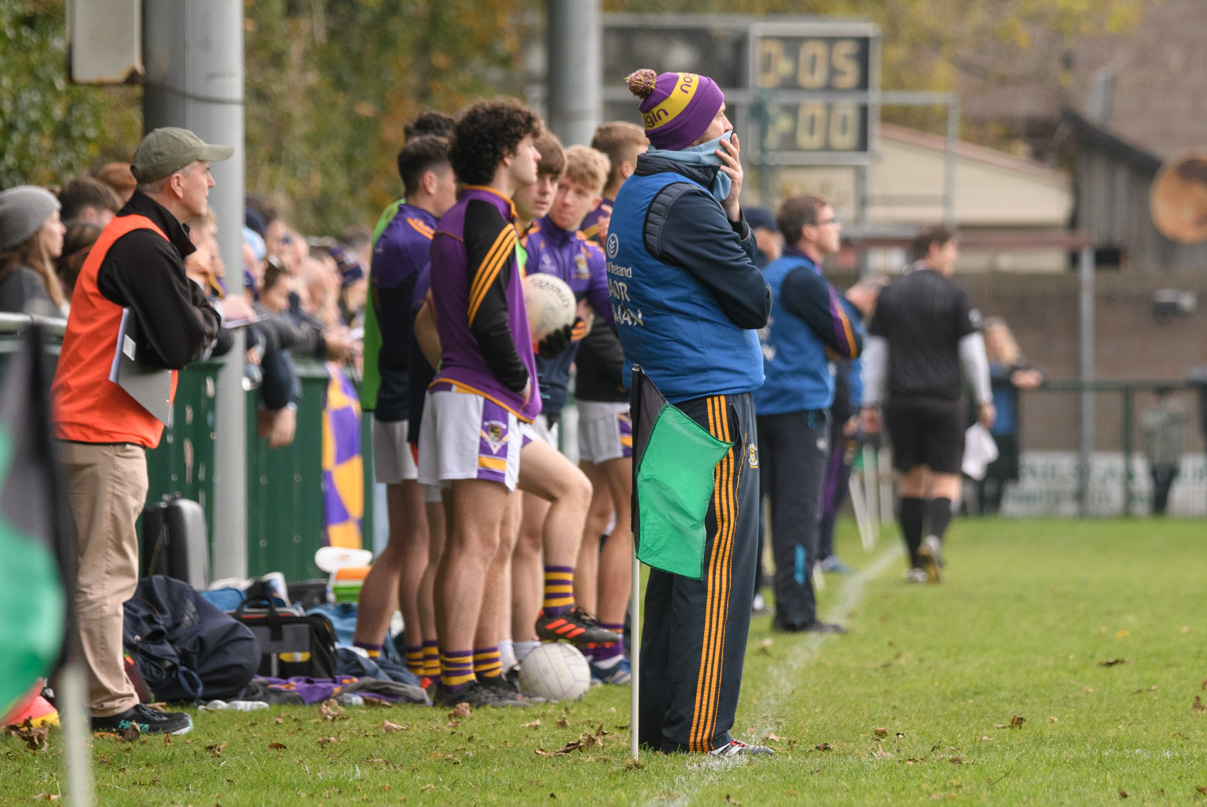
<point x="677" y="107"/>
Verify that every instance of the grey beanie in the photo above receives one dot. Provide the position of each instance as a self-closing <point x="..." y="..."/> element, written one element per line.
<point x="23" y="211"/>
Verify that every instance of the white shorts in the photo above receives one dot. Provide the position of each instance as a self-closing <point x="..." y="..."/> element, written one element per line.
<point x="605" y="431"/>
<point x="466" y="436"/>
<point x="392" y="459"/>
<point x="539" y="429"/>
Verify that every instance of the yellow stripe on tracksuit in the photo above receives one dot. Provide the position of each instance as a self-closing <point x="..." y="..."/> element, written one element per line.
<point x="499" y="254"/>
<point x="718" y="574"/>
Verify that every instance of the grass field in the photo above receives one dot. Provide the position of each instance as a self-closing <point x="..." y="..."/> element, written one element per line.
<point x="1087" y="636"/>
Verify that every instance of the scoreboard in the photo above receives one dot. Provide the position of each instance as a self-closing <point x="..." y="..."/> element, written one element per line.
<point x="798" y="91"/>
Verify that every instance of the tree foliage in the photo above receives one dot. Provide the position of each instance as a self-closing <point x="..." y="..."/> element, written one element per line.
<point x="50" y="129"/>
<point x="331" y="84"/>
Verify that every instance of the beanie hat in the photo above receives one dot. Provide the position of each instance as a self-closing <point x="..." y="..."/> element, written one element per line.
<point x="348" y="264"/>
<point x="23" y="211"/>
<point x="677" y="107"/>
<point x="758" y="217"/>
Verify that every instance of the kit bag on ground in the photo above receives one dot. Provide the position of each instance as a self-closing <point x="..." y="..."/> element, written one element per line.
<point x="291" y="644"/>
<point x="175" y="542"/>
<point x="185" y="648"/>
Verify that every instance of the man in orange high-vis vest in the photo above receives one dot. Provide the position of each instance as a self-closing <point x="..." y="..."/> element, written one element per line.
<point x="137" y="263"/>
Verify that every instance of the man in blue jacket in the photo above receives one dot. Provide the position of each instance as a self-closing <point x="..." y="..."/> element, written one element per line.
<point x="810" y="324"/>
<point x="687" y="299"/>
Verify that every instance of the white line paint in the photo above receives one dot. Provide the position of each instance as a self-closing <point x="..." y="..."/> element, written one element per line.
<point x="699" y="771"/>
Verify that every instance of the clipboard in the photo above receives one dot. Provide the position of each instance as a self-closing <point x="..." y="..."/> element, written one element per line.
<point x="148" y="385"/>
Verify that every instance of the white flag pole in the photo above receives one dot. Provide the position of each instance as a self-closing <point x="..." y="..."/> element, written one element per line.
<point x="634" y="650"/>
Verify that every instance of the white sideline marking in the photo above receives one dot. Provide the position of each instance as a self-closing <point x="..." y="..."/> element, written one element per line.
<point x="701" y="771"/>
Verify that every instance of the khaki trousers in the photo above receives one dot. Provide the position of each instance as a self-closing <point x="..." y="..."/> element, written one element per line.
<point x="107" y="488"/>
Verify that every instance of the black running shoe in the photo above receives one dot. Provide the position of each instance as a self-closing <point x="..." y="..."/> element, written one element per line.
<point x="508" y="687"/>
<point x="473" y="694"/>
<point x="146" y="720"/>
<point x="575" y="626"/>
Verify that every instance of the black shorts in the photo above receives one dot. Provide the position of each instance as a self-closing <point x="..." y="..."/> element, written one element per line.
<point x="926" y="431"/>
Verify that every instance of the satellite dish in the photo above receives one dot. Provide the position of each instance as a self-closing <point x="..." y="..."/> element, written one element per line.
<point x="1179" y="198"/>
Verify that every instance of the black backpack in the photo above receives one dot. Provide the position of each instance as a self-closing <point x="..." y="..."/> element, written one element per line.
<point x="186" y="648"/>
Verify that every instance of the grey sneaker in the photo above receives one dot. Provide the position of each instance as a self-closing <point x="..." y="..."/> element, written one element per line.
<point x="915" y="575"/>
<point x="741" y="749"/>
<point x="930" y="555"/>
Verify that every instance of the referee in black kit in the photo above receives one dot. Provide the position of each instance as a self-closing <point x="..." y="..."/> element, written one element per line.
<point x="924" y="331"/>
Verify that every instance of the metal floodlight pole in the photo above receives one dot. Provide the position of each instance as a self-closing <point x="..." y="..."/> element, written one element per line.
<point x="575" y="46"/>
<point x="1085" y="277"/>
<point x="193" y="51"/>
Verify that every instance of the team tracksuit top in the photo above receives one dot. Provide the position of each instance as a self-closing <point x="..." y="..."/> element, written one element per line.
<point x="402" y="254"/>
<point x="686" y="295"/>
<point x="479" y="301"/>
<point x="808" y="318"/>
<point x="570" y="257"/>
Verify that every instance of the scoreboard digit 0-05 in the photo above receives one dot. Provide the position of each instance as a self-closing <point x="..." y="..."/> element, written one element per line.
<point x="798" y="91"/>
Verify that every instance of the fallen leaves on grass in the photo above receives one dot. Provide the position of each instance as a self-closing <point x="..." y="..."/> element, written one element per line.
<point x="276" y="746"/>
<point x="1198" y="705"/>
<point x="730" y="800"/>
<point x="535" y="724"/>
<point x="1202" y="790"/>
<point x="33" y="736"/>
<point x="1123" y="794"/>
<point x="215" y="750"/>
<point x="329" y="740"/>
<point x="1016" y="722"/>
<point x="823" y="747"/>
<point x="880" y="731"/>
<point x="388" y="727"/>
<point x="460" y="712"/>
<point x="1152" y="688"/>
<point x="1111" y="662"/>
<point x="331" y="710"/>
<point x="880" y="753"/>
<point x="1123" y="634"/>
<point x="563" y="723"/>
<point x="585" y="741"/>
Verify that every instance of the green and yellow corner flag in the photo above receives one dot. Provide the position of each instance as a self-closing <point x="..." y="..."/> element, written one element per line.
<point x="32" y="528"/>
<point x="674" y="459"/>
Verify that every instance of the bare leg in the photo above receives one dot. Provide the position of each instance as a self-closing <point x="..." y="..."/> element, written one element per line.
<point x="487" y="634"/>
<point x="475" y="508"/>
<point x="616" y="562"/>
<point x="426" y="599"/>
<point x="548" y="474"/>
<point x="600" y="512"/>
<point x="527" y="574"/>
<point x="393" y="582"/>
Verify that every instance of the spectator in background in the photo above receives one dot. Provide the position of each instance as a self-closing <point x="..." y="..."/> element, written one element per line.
<point x="119" y="177"/>
<point x="353" y="285"/>
<point x="1164" y="429"/>
<point x="621" y="142"/>
<point x="204" y="266"/>
<point x="77" y="243"/>
<point x="1008" y="373"/>
<point x="89" y="200"/>
<point x="31" y="238"/>
<point x="767" y="236"/>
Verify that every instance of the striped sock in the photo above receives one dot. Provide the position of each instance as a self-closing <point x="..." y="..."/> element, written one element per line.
<point x="373" y="650"/>
<point x="415" y="659"/>
<point x="456" y="669"/>
<point x="431" y="661"/>
<point x="559" y="590"/>
<point x="487" y="663"/>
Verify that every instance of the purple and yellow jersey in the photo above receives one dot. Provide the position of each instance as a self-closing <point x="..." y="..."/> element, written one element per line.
<point x="591" y="224"/>
<point x="485" y="344"/>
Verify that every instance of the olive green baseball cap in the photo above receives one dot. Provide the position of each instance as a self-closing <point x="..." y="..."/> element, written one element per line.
<point x="165" y="151"/>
